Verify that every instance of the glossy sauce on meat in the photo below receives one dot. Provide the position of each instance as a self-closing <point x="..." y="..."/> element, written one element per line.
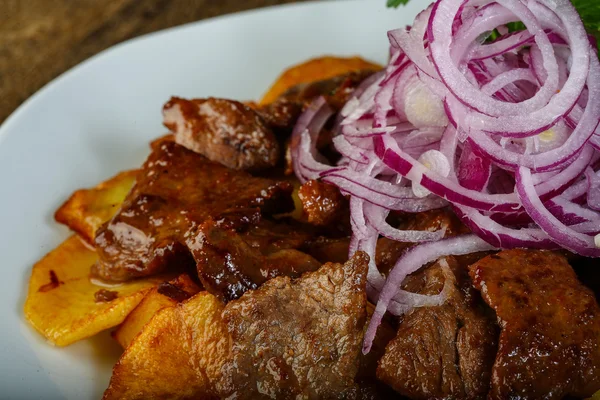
<point x="224" y="131"/>
<point x="234" y="257"/>
<point x="322" y="203"/>
<point x="549" y="346"/>
<point x="175" y="191"/>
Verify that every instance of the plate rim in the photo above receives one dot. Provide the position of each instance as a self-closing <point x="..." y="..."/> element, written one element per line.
<point x="16" y="113"/>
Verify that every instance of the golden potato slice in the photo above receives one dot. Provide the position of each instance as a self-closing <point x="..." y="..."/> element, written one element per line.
<point x="167" y="294"/>
<point x="178" y="354"/>
<point x="64" y="305"/>
<point x="315" y="70"/>
<point x="87" y="209"/>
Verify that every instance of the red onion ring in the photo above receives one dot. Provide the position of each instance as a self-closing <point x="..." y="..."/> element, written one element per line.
<point x="507" y="133"/>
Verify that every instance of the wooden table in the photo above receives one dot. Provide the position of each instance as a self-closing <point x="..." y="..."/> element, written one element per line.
<point x="40" y="39"/>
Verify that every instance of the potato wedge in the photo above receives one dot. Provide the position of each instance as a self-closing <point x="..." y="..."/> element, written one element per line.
<point x="87" y="209"/>
<point x="167" y="294"/>
<point x="178" y="354"/>
<point x="64" y="305"/>
<point x="315" y="70"/>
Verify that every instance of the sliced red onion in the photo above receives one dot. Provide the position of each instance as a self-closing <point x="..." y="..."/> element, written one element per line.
<point x="593" y="190"/>
<point x="422" y="107"/>
<point x="411" y="261"/>
<point x="402" y="163"/>
<point x="506" y="132"/>
<point x="502" y="236"/>
<point x="434" y="161"/>
<point x="572" y="213"/>
<point x="405" y="301"/>
<point x="562" y="180"/>
<point x="567" y="237"/>
<point x="376" y="218"/>
<point x="524" y="118"/>
<point x="473" y="171"/>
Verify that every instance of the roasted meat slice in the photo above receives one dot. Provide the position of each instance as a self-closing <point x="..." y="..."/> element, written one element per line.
<point x="549" y="346"/>
<point x="175" y="191"/>
<point x="233" y="257"/>
<point x="298" y="338"/>
<point x="322" y="203"/>
<point x="224" y="131"/>
<point x="443" y="352"/>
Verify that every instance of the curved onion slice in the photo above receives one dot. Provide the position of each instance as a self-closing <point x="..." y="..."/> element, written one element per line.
<point x="411" y="261"/>
<point x="567" y="237"/>
<point x="506" y="132"/>
<point x="593" y="191"/>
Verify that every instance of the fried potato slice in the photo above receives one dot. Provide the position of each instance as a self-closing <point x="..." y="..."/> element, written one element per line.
<point x="64" y="305"/>
<point x="87" y="209"/>
<point x="167" y="294"/>
<point x="178" y="354"/>
<point x="315" y="70"/>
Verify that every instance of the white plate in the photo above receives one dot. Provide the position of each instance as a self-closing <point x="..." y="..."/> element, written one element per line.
<point x="98" y="118"/>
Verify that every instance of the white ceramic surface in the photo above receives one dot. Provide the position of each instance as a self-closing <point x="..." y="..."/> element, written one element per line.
<point x="98" y="118"/>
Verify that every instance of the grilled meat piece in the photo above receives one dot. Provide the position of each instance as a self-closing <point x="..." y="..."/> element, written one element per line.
<point x="443" y="352"/>
<point x="224" y="131"/>
<point x="549" y="346"/>
<point x="175" y="191"/>
<point x="233" y="258"/>
<point x="298" y="338"/>
<point x="322" y="203"/>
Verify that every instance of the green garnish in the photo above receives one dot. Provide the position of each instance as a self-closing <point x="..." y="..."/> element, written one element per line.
<point x="589" y="11"/>
<point x="396" y="3"/>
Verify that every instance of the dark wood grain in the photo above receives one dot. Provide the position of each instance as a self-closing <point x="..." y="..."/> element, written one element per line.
<point x="40" y="39"/>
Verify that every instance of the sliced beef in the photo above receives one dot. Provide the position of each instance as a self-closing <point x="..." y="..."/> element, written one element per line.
<point x="443" y="352"/>
<point x="298" y="338"/>
<point x="322" y="203"/>
<point x="549" y="346"/>
<point x="175" y="191"/>
<point x="233" y="258"/>
<point x="224" y="131"/>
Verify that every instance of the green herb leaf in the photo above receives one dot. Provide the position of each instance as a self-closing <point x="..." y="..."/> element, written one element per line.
<point x="396" y="3"/>
<point x="589" y="10"/>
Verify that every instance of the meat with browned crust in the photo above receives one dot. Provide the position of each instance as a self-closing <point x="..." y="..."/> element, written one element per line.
<point x="298" y="338"/>
<point x="176" y="190"/>
<point x="224" y="131"/>
<point x="322" y="203"/>
<point x="549" y="346"/>
<point x="443" y="352"/>
<point x="235" y="256"/>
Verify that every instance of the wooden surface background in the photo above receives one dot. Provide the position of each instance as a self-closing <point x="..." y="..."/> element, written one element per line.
<point x="40" y="39"/>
